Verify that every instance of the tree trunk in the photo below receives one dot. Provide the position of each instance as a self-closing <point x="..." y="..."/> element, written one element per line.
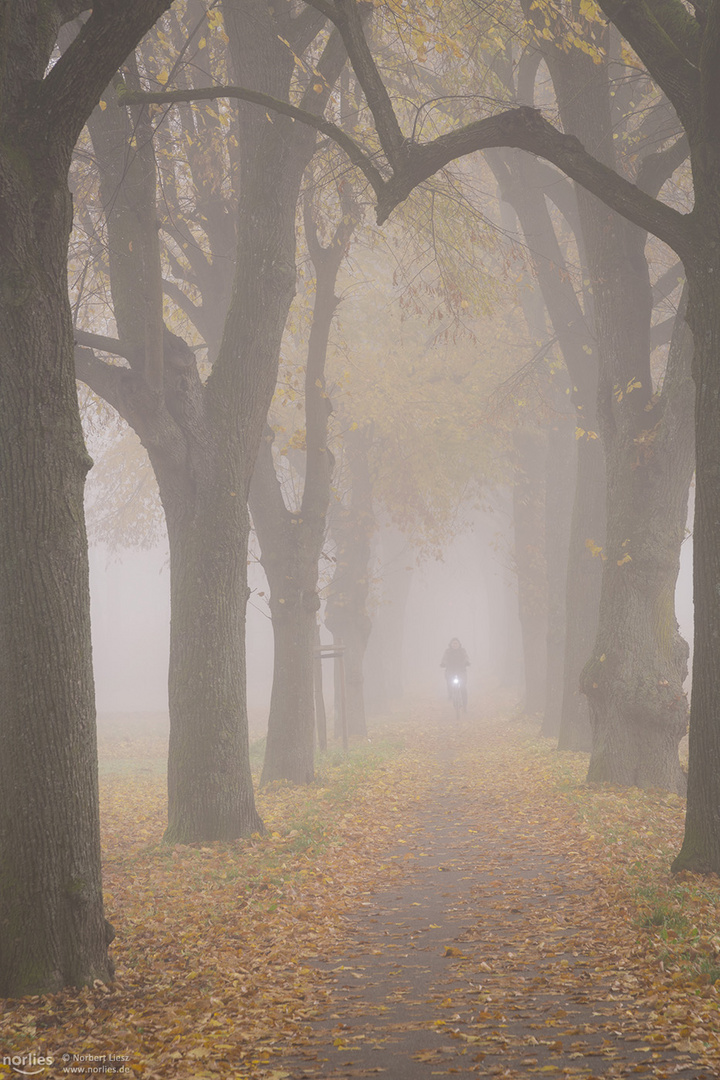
<point x="52" y="926"/>
<point x="291" y="540"/>
<point x="210" y="791"/>
<point x="290" y="546"/>
<point x="634" y="675"/>
<point x="584" y="579"/>
<point x="559" y="490"/>
<point x="634" y="680"/>
<point x="289" y="753"/>
<point x="346" y="609"/>
<point x="700" y="850"/>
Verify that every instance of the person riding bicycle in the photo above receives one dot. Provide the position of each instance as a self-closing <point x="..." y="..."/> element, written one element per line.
<point x="455" y="661"/>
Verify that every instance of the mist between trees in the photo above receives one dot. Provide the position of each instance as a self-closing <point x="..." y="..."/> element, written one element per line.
<point x="392" y="323"/>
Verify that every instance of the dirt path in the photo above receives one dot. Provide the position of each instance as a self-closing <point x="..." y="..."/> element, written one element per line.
<point x="488" y="954"/>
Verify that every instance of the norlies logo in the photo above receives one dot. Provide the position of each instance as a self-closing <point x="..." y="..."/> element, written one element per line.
<point x="28" y="1064"/>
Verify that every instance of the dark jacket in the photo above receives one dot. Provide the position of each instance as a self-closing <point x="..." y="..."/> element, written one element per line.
<point x="455" y="660"/>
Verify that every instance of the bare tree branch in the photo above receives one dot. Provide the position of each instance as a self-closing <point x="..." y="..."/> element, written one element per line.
<point x="526" y="129"/>
<point x="105" y="380"/>
<point x="105" y="344"/>
<point x="523" y="128"/>
<point x="668" y="282"/>
<point x="348" y="19"/>
<point x="656" y="168"/>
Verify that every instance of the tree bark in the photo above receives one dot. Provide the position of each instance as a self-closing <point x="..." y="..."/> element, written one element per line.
<point x="700" y="849"/>
<point x="320" y="711"/>
<point x="210" y="791"/>
<point x="634" y="679"/>
<point x="52" y="926"/>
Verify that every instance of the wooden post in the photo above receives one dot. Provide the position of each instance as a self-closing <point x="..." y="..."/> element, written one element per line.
<point x="343" y="698"/>
<point x="331" y="652"/>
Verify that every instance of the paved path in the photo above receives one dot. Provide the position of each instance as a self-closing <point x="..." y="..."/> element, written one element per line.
<point x="488" y="957"/>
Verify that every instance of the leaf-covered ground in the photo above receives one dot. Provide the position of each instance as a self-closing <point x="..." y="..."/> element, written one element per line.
<point x="449" y="899"/>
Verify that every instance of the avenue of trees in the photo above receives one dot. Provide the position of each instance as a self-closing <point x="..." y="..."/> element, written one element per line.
<point x="218" y="147"/>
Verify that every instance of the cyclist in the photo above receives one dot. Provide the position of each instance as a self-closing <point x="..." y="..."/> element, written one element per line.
<point x="455" y="661"/>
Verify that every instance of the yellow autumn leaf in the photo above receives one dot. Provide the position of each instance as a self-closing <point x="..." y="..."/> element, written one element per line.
<point x="450" y="950"/>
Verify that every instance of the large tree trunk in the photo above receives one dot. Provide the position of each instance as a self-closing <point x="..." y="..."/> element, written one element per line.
<point x="210" y="791"/>
<point x="52" y="926"/>
<point x="634" y="681"/>
<point x="289" y="753"/>
<point x="700" y="850"/>
<point x="236" y="398"/>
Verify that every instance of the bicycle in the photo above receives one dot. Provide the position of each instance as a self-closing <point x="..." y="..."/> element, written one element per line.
<point x="457" y="694"/>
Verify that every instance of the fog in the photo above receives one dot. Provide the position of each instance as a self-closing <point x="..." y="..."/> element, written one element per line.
<point x="130" y="604"/>
<point x="469" y="594"/>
